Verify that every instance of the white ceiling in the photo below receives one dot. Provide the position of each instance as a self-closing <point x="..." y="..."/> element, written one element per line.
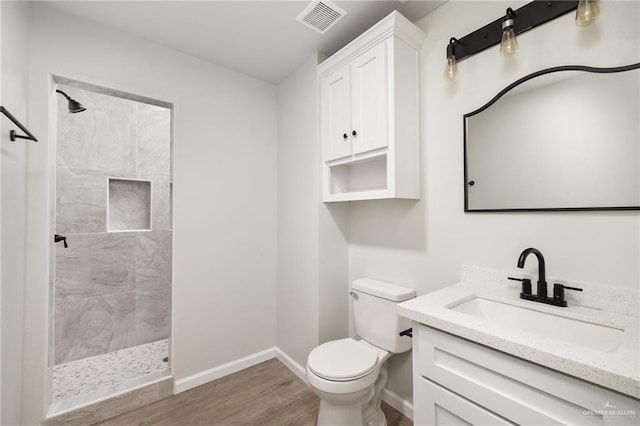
<point x="258" y="38"/>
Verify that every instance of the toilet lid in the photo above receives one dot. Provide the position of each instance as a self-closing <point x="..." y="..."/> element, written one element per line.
<point x="341" y="360"/>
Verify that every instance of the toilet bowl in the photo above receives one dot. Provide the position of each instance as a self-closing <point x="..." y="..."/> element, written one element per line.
<point x="350" y="375"/>
<point x="345" y="374"/>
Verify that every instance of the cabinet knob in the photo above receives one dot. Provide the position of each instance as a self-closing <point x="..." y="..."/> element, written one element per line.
<point x="345" y="136"/>
<point x="354" y="133"/>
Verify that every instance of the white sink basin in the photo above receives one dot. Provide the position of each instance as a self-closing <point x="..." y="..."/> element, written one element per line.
<point x="594" y="336"/>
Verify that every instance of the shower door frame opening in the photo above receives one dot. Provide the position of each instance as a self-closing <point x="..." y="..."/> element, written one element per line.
<point x="109" y="90"/>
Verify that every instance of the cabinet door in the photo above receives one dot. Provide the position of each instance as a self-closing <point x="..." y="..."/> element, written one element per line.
<point x="440" y="407"/>
<point x="336" y="106"/>
<point x="369" y="100"/>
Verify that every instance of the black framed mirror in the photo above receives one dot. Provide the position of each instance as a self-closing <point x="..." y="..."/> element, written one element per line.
<point x="562" y="138"/>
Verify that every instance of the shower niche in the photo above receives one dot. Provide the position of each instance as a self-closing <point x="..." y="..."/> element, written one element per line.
<point x="110" y="289"/>
<point x="129" y="205"/>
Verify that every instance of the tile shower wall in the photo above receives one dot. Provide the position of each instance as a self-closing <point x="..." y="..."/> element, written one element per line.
<point x="112" y="289"/>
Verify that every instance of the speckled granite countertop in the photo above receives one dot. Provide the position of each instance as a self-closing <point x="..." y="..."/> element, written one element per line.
<point x="619" y="370"/>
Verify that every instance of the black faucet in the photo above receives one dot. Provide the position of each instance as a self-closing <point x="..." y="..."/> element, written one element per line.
<point x="541" y="296"/>
<point x="542" y="277"/>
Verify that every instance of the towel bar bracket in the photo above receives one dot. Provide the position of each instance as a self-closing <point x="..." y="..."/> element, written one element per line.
<point x="12" y="134"/>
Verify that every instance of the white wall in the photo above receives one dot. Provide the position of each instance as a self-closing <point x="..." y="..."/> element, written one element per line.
<point x="224" y="190"/>
<point x="298" y="206"/>
<point x="422" y="244"/>
<point x="311" y="267"/>
<point x="333" y="281"/>
<point x="13" y="166"/>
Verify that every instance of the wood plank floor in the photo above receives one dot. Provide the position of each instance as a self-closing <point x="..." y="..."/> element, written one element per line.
<point x="266" y="394"/>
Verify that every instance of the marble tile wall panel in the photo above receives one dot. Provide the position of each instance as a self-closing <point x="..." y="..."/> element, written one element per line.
<point x="114" y="138"/>
<point x="153" y="140"/>
<point x="95" y="265"/>
<point x="153" y="261"/>
<point x="92" y="326"/>
<point x="101" y="138"/>
<point x="161" y="202"/>
<point x="153" y="286"/>
<point x="152" y="316"/>
<point x="129" y="205"/>
<point x="81" y="201"/>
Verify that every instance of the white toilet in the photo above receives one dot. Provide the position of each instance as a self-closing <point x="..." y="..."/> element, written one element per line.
<point x="349" y="375"/>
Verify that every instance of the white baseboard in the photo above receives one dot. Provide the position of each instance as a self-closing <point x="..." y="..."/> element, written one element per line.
<point x="206" y="376"/>
<point x="292" y="365"/>
<point x="394" y="400"/>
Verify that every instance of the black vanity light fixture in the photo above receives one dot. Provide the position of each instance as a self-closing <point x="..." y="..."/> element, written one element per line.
<point x="504" y="30"/>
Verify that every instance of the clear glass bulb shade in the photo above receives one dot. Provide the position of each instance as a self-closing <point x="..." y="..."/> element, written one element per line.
<point x="587" y="12"/>
<point x="451" y="70"/>
<point x="509" y="43"/>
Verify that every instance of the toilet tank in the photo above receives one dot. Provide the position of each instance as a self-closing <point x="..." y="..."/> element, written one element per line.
<point x="375" y="313"/>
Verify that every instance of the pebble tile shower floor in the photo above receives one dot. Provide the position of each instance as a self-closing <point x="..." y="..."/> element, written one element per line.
<point x="104" y="372"/>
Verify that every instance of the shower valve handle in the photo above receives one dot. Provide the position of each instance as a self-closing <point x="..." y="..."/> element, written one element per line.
<point x="57" y="238"/>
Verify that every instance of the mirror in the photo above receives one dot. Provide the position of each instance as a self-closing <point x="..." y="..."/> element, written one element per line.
<point x="564" y="138"/>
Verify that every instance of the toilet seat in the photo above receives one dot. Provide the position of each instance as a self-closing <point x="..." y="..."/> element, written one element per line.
<point x="342" y="360"/>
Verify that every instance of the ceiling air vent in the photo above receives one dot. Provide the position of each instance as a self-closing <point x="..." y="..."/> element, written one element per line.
<point x="321" y="15"/>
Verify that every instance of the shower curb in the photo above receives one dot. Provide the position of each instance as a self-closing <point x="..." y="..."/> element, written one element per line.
<point x="114" y="405"/>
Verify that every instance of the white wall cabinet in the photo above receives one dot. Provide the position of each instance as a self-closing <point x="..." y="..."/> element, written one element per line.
<point x="355" y="105"/>
<point x="369" y="114"/>
<point x="460" y="382"/>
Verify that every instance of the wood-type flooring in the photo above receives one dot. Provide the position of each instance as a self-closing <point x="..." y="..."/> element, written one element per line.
<point x="262" y="395"/>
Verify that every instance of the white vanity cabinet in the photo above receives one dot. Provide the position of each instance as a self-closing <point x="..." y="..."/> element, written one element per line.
<point x="457" y="381"/>
<point x="369" y="114"/>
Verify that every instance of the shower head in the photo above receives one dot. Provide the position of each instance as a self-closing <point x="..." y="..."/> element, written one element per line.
<point x="74" y="106"/>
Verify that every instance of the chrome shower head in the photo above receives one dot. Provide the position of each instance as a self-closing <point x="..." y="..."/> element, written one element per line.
<point x="74" y="106"/>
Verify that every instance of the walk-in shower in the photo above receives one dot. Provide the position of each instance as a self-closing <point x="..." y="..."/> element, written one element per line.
<point x="111" y="286"/>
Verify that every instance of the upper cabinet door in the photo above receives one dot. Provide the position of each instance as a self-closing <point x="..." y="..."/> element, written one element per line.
<point x="369" y="100"/>
<point x="336" y="111"/>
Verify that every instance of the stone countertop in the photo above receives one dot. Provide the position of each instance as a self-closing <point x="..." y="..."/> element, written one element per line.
<point x="619" y="371"/>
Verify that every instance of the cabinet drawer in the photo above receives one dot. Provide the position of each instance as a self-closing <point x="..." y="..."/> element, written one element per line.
<point x="519" y="390"/>
<point x="440" y="406"/>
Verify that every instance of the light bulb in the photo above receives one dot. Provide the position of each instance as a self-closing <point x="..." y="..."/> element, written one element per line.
<point x="451" y="70"/>
<point x="509" y="43"/>
<point x="587" y="12"/>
